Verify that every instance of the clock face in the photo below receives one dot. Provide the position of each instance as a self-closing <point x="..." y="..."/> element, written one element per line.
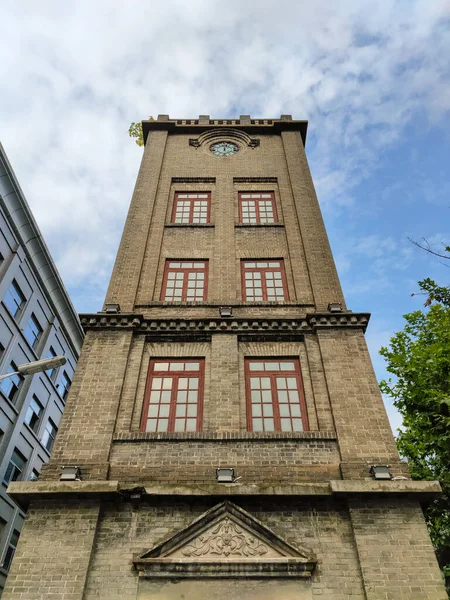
<point x="224" y="149"/>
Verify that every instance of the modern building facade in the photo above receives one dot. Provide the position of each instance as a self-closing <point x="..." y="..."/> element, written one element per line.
<point x="224" y="432"/>
<point x="37" y="320"/>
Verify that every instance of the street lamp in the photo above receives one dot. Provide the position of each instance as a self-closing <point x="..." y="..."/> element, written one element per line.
<point x="37" y="366"/>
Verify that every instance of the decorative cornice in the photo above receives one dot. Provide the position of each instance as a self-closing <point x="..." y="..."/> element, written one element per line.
<point x="250" y="126"/>
<point x="191" y="327"/>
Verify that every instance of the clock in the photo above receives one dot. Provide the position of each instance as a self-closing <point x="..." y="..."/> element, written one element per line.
<point x="224" y="149"/>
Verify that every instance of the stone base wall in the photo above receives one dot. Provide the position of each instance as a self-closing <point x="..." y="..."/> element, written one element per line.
<point x="376" y="549"/>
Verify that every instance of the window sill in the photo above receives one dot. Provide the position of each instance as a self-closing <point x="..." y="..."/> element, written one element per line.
<point x="245" y="225"/>
<point x="247" y="436"/>
<point x="190" y="225"/>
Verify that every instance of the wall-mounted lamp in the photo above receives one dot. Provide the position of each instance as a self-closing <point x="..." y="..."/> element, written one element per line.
<point x="225" y="475"/>
<point x="70" y="474"/>
<point x="225" y="311"/>
<point x="380" y="472"/>
<point x="335" y="307"/>
<point x="112" y="309"/>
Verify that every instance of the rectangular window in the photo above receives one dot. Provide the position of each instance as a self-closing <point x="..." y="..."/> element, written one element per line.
<point x="33" y="331"/>
<point x="275" y="398"/>
<point x="257" y="207"/>
<point x="51" y="354"/>
<point x="174" y="396"/>
<point x="185" y="281"/>
<point x="34" y="475"/>
<point x="13" y="541"/>
<point x="14" y="298"/>
<point x="34" y="413"/>
<point x="15" y="467"/>
<point x="48" y="439"/>
<point x="191" y="207"/>
<point x="63" y="385"/>
<point x="11" y="385"/>
<point x="264" y="280"/>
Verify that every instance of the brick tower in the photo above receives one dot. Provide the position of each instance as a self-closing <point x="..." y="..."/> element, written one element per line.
<point x="224" y="343"/>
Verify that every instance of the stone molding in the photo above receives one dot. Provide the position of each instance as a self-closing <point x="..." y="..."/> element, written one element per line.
<point x="225" y="541"/>
<point x="308" y="323"/>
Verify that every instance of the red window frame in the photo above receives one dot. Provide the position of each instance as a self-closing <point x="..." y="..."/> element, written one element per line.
<point x="258" y="198"/>
<point x="155" y="373"/>
<point x="191" y="197"/>
<point x="264" y="272"/>
<point x="281" y="394"/>
<point x="171" y="267"/>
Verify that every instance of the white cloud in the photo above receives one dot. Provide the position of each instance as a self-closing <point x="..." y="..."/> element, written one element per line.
<point x="76" y="74"/>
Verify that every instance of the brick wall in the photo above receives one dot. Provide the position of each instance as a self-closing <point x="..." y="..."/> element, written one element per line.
<point x="396" y="557"/>
<point x="54" y="553"/>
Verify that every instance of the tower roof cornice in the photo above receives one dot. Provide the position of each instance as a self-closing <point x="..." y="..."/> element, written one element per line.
<point x="244" y="123"/>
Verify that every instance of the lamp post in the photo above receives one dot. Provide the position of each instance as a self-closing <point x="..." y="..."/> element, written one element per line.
<point x="37" y="366"/>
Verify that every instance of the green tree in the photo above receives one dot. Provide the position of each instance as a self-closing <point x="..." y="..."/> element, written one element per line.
<point x="135" y="131"/>
<point x="419" y="359"/>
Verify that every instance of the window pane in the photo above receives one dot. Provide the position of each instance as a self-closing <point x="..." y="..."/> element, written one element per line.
<point x="256" y="366"/>
<point x="257" y="424"/>
<point x="14" y="298"/>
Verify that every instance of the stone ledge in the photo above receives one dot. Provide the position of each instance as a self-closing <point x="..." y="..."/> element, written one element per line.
<point x="238" y="489"/>
<point x="23" y="491"/>
<point x="350" y="487"/>
<point x="244" y="436"/>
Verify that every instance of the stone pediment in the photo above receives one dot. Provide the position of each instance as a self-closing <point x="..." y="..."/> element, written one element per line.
<point x="225" y="541"/>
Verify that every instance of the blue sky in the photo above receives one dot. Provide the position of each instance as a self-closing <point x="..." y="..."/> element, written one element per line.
<point x="372" y="78"/>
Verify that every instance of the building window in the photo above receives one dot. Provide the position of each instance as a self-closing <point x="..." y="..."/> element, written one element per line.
<point x="11" y="385"/>
<point x="34" y="475"/>
<point x="185" y="281"/>
<point x="51" y="354"/>
<point x="257" y="207"/>
<point x="63" y="385"/>
<point x="33" y="331"/>
<point x="14" y="298"/>
<point x="2" y="350"/>
<point x="34" y="413"/>
<point x="275" y="399"/>
<point x="15" y="467"/>
<point x="48" y="439"/>
<point x="264" y="280"/>
<point x="12" y="545"/>
<point x="174" y="396"/>
<point x="191" y="208"/>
